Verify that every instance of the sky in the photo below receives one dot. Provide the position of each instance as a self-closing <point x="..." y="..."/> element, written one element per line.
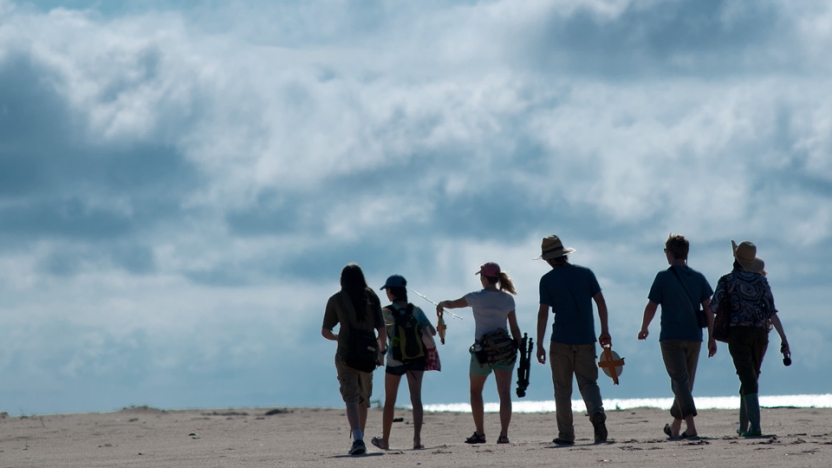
<point x="181" y="183"/>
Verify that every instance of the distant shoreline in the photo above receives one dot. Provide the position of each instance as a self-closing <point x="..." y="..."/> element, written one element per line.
<point x="519" y="406"/>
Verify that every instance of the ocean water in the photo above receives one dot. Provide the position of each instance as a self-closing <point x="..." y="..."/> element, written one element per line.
<point x="702" y="403"/>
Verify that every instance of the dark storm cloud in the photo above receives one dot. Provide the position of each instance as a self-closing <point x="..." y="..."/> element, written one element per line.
<point x="663" y="38"/>
<point x="56" y="183"/>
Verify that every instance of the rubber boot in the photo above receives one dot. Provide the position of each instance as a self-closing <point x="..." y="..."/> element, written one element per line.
<point x="752" y="410"/>
<point x="743" y="426"/>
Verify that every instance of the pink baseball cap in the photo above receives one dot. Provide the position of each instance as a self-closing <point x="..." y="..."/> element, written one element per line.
<point x="489" y="269"/>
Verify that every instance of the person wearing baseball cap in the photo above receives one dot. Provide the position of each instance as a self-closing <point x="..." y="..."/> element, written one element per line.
<point x="569" y="290"/>
<point x="493" y="306"/>
<point x="400" y="310"/>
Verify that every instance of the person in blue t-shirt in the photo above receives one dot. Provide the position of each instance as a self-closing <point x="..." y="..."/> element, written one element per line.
<point x="569" y="290"/>
<point x="680" y="290"/>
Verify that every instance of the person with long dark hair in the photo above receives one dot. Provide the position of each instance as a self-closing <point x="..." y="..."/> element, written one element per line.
<point x="493" y="306"/>
<point x="357" y="310"/>
<point x="405" y="321"/>
<point x="745" y="294"/>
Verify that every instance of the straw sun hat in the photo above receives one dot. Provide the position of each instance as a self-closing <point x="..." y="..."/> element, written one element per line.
<point x="552" y="247"/>
<point x="746" y="255"/>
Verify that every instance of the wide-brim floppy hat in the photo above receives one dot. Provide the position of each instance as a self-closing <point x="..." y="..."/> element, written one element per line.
<point x="552" y="247"/>
<point x="746" y="255"/>
<point x="489" y="269"/>
<point x="395" y="281"/>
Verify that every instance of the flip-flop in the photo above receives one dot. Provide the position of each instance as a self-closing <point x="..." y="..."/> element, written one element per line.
<point x="685" y="435"/>
<point x="377" y="442"/>
<point x="670" y="433"/>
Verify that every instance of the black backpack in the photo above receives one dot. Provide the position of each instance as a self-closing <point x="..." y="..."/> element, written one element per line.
<point x="407" y="335"/>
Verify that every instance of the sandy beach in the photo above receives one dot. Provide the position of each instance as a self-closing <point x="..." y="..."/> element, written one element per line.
<point x="146" y="437"/>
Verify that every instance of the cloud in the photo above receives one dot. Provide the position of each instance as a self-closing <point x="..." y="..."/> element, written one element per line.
<point x="181" y="184"/>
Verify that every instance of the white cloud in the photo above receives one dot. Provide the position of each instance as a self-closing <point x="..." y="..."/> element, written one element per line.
<point x="423" y="140"/>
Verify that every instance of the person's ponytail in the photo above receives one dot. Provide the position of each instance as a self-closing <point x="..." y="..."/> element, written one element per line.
<point x="506" y="284"/>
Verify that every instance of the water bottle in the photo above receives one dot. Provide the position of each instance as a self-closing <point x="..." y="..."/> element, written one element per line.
<point x="787" y="356"/>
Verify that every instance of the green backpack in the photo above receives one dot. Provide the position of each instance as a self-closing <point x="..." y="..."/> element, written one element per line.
<point x="407" y="335"/>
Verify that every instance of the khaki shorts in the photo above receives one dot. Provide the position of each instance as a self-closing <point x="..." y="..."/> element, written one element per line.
<point x="356" y="386"/>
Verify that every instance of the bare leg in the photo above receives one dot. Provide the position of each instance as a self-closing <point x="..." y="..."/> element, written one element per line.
<point x="690" y="431"/>
<point x="391" y="390"/>
<point x="503" y="378"/>
<point x="362" y="417"/>
<point x="477" y="408"/>
<point x="353" y="416"/>
<point x="414" y="384"/>
<point x="675" y="427"/>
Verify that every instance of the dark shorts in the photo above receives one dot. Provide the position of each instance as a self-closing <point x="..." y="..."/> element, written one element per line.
<point x="416" y="366"/>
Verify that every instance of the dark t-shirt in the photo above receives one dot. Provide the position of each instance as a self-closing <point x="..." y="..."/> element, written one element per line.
<point x="678" y="317"/>
<point x="569" y="290"/>
<point x="339" y="310"/>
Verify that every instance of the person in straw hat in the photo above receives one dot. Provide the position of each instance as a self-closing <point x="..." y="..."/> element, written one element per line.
<point x="569" y="290"/>
<point x="680" y="290"/>
<point x="747" y="291"/>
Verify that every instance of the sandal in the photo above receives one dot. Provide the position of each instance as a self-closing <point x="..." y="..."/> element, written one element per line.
<point x="476" y="439"/>
<point x="377" y="442"/>
<point x="503" y="440"/>
<point x="419" y="447"/>
<point x="669" y="433"/>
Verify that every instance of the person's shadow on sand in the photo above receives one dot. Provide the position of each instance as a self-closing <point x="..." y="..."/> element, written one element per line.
<point x="374" y="454"/>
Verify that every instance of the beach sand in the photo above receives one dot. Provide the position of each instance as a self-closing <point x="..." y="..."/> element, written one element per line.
<point x="309" y="437"/>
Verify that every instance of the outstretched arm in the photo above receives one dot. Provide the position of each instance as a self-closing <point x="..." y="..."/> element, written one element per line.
<point x="457" y="304"/>
<point x="604" y="338"/>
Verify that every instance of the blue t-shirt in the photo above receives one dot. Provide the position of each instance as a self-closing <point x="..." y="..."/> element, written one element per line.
<point x="569" y="290"/>
<point x="678" y="317"/>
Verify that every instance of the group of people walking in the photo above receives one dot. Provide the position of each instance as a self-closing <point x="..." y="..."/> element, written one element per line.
<point x="400" y="330"/>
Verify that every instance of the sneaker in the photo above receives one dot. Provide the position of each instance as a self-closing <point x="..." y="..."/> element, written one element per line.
<point x="598" y="420"/>
<point x="358" y="448"/>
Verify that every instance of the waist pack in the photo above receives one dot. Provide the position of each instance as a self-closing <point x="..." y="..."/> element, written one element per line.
<point x="362" y="350"/>
<point x="494" y="347"/>
<point x="406" y="341"/>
